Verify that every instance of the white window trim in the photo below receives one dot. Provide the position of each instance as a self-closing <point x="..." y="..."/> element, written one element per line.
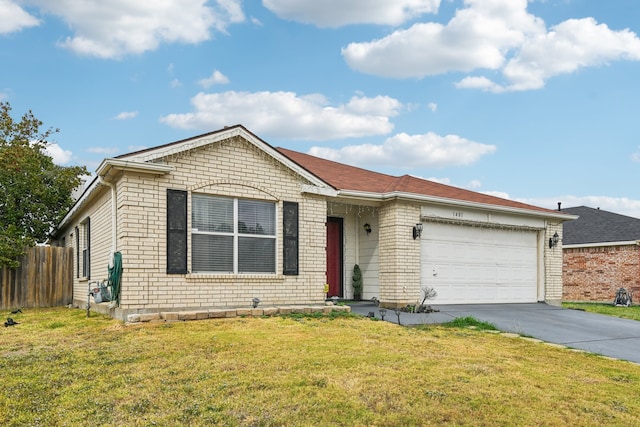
<point x="236" y="235"/>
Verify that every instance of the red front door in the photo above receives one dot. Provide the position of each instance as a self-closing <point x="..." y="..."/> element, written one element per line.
<point x="334" y="256"/>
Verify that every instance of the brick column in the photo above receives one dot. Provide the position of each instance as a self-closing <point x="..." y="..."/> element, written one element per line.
<point x="399" y="255"/>
<point x="553" y="266"/>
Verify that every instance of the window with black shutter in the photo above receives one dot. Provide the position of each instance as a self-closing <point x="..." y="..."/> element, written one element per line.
<point x="77" y="231"/>
<point x="290" y="238"/>
<point x="176" y="232"/>
<point x="85" y="246"/>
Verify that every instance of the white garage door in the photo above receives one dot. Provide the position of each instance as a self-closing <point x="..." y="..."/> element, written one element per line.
<point x="476" y="265"/>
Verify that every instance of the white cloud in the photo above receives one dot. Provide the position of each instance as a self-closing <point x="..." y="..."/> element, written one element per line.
<point x="337" y="13"/>
<point x="410" y="151"/>
<point x="569" y="46"/>
<point x="126" y="115"/>
<point x="635" y="157"/>
<point x="500" y="194"/>
<point x="619" y="205"/>
<point x="445" y="181"/>
<point x="115" y="28"/>
<point x="475" y="184"/>
<point x="103" y="150"/>
<point x="479" y="83"/>
<point x="14" y="18"/>
<point x="216" y="78"/>
<point x="497" y="35"/>
<point x="432" y="106"/>
<point x="175" y="83"/>
<point x="59" y="155"/>
<point x="476" y="37"/>
<point x="132" y="148"/>
<point x="288" y="115"/>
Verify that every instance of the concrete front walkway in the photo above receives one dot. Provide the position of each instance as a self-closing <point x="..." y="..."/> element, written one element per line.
<point x="595" y="333"/>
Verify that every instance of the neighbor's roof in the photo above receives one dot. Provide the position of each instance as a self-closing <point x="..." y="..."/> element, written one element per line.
<point x="598" y="226"/>
<point x="344" y="177"/>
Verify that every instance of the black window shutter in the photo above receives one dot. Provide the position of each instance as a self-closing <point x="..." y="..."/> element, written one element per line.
<point x="88" y="261"/>
<point x="176" y="232"/>
<point x="77" y="231"/>
<point x="290" y="237"/>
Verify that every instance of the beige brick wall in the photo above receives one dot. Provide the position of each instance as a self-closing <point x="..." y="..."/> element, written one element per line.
<point x="99" y="213"/>
<point x="553" y="265"/>
<point x="234" y="167"/>
<point x="399" y="254"/>
<point x="229" y="168"/>
<point x="596" y="273"/>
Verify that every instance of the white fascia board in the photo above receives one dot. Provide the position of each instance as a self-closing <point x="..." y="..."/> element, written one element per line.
<point x="320" y="191"/>
<point x="132" y="166"/>
<point x="103" y="170"/>
<point x="86" y="195"/>
<point x="176" y="148"/>
<point x="602" y="244"/>
<point x="361" y="195"/>
<point x="159" y="153"/>
<point x="453" y="202"/>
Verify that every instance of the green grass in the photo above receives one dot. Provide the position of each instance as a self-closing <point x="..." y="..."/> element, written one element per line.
<point x="470" y="322"/>
<point x="58" y="368"/>
<point x="632" y="312"/>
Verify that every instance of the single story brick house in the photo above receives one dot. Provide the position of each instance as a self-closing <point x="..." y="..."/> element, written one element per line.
<point x="216" y="220"/>
<point x="601" y="253"/>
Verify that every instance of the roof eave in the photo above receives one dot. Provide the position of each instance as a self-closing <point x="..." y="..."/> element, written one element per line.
<point x="602" y="244"/>
<point x="238" y="130"/>
<point x="107" y="166"/>
<point x="110" y="164"/>
<point x="363" y="195"/>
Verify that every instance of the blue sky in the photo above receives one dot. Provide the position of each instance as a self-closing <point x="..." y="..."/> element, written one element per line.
<point x="534" y="101"/>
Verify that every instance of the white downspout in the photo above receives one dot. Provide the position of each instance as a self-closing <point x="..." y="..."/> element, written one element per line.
<point x="114" y="212"/>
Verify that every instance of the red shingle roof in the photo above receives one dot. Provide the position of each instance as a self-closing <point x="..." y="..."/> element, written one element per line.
<point x="345" y="177"/>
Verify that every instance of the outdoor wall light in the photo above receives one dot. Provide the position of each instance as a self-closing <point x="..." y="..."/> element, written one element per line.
<point x="255" y="302"/>
<point x="417" y="230"/>
<point x="553" y="241"/>
<point x="367" y="228"/>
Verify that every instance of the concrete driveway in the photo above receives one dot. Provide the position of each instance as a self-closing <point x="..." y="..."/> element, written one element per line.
<point x="595" y="333"/>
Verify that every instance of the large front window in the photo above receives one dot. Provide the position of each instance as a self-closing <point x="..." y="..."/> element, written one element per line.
<point x="232" y="235"/>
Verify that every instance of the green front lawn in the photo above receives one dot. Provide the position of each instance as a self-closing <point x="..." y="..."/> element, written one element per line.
<point x="58" y="368"/>
<point x="632" y="312"/>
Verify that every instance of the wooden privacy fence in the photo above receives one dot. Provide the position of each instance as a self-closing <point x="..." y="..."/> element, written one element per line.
<point x="44" y="279"/>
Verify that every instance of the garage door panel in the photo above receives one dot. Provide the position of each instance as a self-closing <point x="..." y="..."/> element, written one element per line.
<point x="479" y="265"/>
<point x="505" y="274"/>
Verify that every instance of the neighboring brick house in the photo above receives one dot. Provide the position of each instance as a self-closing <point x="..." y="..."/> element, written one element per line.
<point x="601" y="253"/>
<point x="216" y="220"/>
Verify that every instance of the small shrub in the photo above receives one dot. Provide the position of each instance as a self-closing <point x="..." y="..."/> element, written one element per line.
<point x="357" y="283"/>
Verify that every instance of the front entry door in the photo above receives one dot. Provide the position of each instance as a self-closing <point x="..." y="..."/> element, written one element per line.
<point x="334" y="257"/>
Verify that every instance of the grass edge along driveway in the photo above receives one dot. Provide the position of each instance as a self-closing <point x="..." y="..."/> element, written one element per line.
<point x="632" y="312"/>
<point x="59" y="368"/>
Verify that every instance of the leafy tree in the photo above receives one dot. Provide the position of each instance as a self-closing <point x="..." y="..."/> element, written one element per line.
<point x="35" y="193"/>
